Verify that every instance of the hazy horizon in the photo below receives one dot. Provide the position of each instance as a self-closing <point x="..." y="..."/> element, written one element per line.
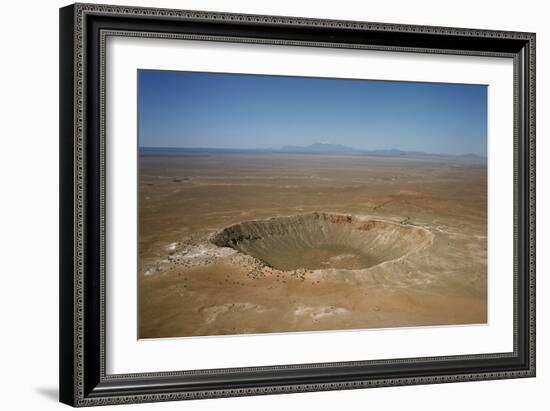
<point x="279" y="149"/>
<point x="256" y="112"/>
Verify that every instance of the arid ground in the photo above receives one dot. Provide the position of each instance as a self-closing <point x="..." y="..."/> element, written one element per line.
<point x="238" y="244"/>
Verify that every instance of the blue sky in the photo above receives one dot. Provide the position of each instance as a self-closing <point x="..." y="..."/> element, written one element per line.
<point x="187" y="109"/>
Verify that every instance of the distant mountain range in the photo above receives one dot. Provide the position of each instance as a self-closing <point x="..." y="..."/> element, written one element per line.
<point x="312" y="149"/>
<point x="326" y="148"/>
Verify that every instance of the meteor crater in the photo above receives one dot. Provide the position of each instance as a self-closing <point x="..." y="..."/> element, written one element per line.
<point x="320" y="241"/>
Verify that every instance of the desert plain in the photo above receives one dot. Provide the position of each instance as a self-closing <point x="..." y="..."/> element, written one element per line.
<point x="271" y="243"/>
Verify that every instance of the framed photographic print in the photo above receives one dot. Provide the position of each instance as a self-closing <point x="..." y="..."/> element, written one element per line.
<point x="261" y="204"/>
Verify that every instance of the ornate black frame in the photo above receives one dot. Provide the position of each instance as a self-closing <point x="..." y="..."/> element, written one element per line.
<point x="83" y="30"/>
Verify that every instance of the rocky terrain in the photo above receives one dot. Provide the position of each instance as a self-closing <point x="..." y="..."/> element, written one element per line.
<point x="256" y="244"/>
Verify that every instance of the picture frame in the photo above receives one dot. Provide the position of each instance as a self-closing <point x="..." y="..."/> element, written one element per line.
<point x="84" y="82"/>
